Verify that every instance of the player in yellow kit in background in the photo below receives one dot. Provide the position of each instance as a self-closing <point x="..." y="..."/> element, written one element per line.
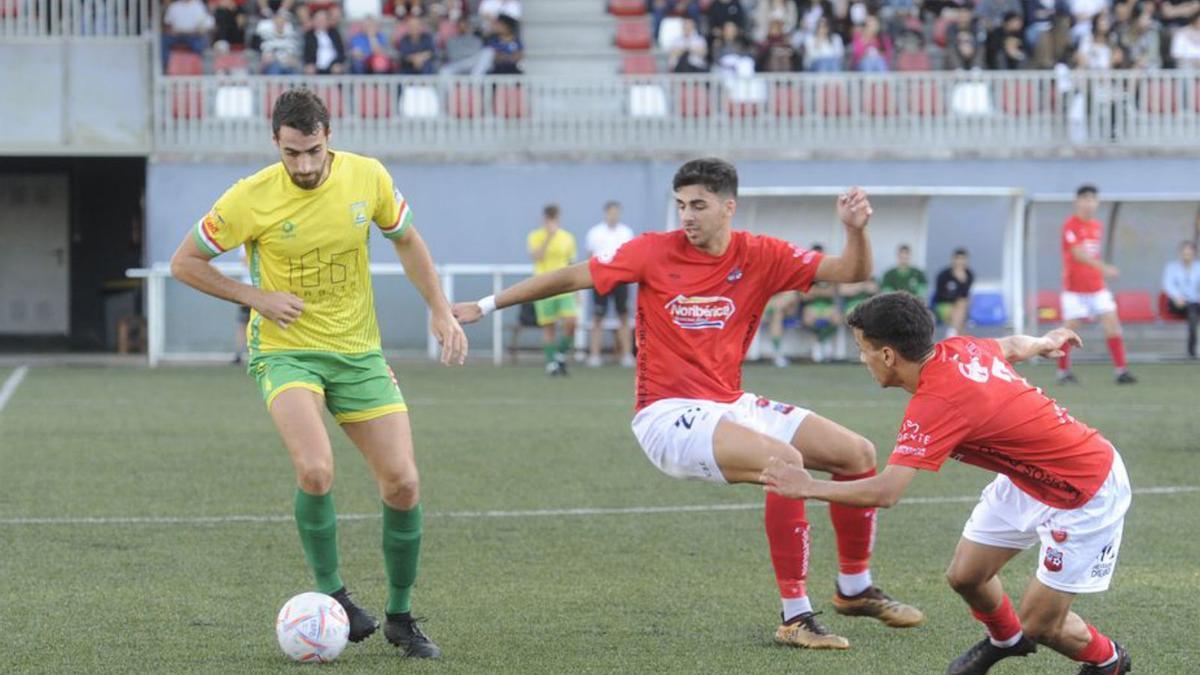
<point x="314" y="341"/>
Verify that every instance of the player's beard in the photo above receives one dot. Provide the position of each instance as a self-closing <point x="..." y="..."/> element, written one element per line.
<point x="306" y="181"/>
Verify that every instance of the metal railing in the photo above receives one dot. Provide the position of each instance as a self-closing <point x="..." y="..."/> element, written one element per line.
<point x="1029" y="112"/>
<point x="97" y="19"/>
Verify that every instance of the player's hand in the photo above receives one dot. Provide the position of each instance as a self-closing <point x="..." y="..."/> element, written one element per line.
<point x="786" y="479"/>
<point x="278" y="306"/>
<point x="450" y="336"/>
<point x="854" y="209"/>
<point x="467" y="312"/>
<point x="1110" y="271"/>
<point x="1054" y="341"/>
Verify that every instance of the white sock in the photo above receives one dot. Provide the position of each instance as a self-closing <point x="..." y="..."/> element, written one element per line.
<point x="1112" y="659"/>
<point x="793" y="607"/>
<point x="1007" y="643"/>
<point x="853" y="584"/>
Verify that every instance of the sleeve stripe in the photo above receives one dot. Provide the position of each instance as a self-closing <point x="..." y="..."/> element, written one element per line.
<point x="401" y="217"/>
<point x="206" y="241"/>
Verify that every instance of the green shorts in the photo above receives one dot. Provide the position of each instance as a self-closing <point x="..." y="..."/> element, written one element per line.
<point x="553" y="309"/>
<point x="356" y="387"/>
<point x="942" y="310"/>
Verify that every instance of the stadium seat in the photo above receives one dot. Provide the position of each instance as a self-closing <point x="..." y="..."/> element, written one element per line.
<point x="374" y="102"/>
<point x="508" y="101"/>
<point x="419" y="102"/>
<point x="669" y="30"/>
<point x="639" y="64"/>
<point x="834" y="100"/>
<point x="693" y="100"/>
<point x="464" y="103"/>
<point x="1164" y="309"/>
<point x="971" y="98"/>
<point x="231" y="63"/>
<point x="787" y="100"/>
<point x="187" y="102"/>
<point x="185" y="63"/>
<point x="627" y="7"/>
<point x="647" y="100"/>
<point x="1134" y="307"/>
<point x="913" y="61"/>
<point x="1049" y="307"/>
<point x="633" y="34"/>
<point x="234" y="102"/>
<point x="357" y="10"/>
<point x="987" y="309"/>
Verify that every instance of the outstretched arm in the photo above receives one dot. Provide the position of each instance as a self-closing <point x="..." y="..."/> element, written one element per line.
<point x="854" y="264"/>
<point x="1019" y="348"/>
<point x="572" y="278"/>
<point x="420" y="270"/>
<point x="792" y="481"/>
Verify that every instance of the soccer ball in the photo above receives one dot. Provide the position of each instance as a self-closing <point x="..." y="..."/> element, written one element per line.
<point x="312" y="627"/>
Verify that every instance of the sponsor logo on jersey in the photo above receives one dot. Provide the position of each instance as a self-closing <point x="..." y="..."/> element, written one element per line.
<point x="1059" y="535"/>
<point x="910" y="433"/>
<point x="358" y="210"/>
<point x="699" y="313"/>
<point x="212" y="224"/>
<point x="974" y="371"/>
<point x="734" y="275"/>
<point x="1053" y="560"/>
<point x="289" y="229"/>
<point x="783" y="408"/>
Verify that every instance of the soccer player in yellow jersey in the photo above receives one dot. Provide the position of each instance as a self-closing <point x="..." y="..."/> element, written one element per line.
<point x="553" y="248"/>
<point x="314" y="341"/>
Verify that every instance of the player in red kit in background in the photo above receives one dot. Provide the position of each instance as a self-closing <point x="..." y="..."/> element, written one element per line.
<point x="701" y="296"/>
<point x="1085" y="295"/>
<point x="1061" y="485"/>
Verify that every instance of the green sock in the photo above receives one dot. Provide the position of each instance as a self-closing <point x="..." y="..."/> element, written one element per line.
<point x="564" y="344"/>
<point x="549" y="350"/>
<point x="317" y="522"/>
<point x="775" y="342"/>
<point x="401" y="550"/>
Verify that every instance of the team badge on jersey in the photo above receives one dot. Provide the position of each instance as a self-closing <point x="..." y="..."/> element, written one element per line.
<point x="700" y="312"/>
<point x="358" y="210"/>
<point x="734" y="275"/>
<point x="1053" y="560"/>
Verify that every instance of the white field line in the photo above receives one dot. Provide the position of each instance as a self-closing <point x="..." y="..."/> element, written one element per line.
<point x="532" y="513"/>
<point x="816" y="404"/>
<point x="11" y="384"/>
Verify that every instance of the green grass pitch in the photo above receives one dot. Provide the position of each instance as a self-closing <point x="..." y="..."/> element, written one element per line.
<point x="634" y="592"/>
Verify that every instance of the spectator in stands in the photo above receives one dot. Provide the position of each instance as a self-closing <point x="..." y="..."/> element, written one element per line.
<point x="603" y="240"/>
<point x="465" y="53"/>
<point x="823" y="50"/>
<point x="1185" y="45"/>
<point x="776" y="53"/>
<point x="230" y="24"/>
<point x="507" y="50"/>
<point x="661" y="9"/>
<point x="323" y="50"/>
<point x="402" y="9"/>
<point x="1054" y="46"/>
<point x="783" y="11"/>
<point x="872" y="50"/>
<point x="1006" y="44"/>
<point x="964" y="52"/>
<point x="1181" y="284"/>
<point x="1083" y="11"/>
<point x="993" y="13"/>
<point x="952" y="293"/>
<point x="731" y="53"/>
<point x="811" y="12"/>
<point x="819" y="314"/>
<point x="721" y="12"/>
<point x="279" y="48"/>
<point x="1140" y="39"/>
<point x="416" y="50"/>
<point x="1176" y="14"/>
<point x="1096" y="51"/>
<point x="688" y="53"/>
<point x="493" y="9"/>
<point x="268" y="8"/>
<point x="905" y="277"/>
<point x="1039" y="18"/>
<point x="186" y="24"/>
<point x="369" y="52"/>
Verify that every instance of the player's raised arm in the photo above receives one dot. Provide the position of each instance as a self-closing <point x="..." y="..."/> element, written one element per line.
<point x="573" y="278"/>
<point x="794" y="482"/>
<point x="1019" y="348"/>
<point x="854" y="264"/>
<point x="420" y="270"/>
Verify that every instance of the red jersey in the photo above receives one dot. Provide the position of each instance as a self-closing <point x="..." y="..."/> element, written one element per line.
<point x="971" y="406"/>
<point x="697" y="313"/>
<point x="1078" y="277"/>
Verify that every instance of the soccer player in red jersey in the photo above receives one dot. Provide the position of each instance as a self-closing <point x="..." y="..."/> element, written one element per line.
<point x="1085" y="295"/>
<point x="701" y="296"/>
<point x="1061" y="485"/>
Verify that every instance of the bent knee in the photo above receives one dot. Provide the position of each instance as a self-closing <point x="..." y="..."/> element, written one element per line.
<point x="964" y="580"/>
<point x="858" y="458"/>
<point x="401" y="491"/>
<point x="315" y="478"/>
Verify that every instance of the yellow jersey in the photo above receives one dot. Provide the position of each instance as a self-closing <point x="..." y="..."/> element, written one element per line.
<point x="559" y="254"/>
<point x="312" y="244"/>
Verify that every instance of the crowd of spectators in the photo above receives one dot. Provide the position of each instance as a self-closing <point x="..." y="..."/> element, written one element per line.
<point x="287" y="37"/>
<point x="883" y="35"/>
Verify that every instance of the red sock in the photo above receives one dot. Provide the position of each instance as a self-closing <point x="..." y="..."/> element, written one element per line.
<point x="787" y="535"/>
<point x="1099" y="650"/>
<point x="1002" y="623"/>
<point x="855" y="530"/>
<point x="1116" y="347"/>
<point x="1064" y="361"/>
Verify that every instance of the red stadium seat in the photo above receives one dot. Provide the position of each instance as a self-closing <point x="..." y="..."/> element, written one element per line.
<point x="627" y="7"/>
<point x="508" y="101"/>
<point x="464" y="104"/>
<point x="1164" y="309"/>
<point x="693" y="100"/>
<point x="187" y="102"/>
<point x="834" y="100"/>
<point x="374" y="102"/>
<point x="185" y="63"/>
<point x="1135" y="307"/>
<point x="787" y="100"/>
<point x="913" y="61"/>
<point x="941" y="30"/>
<point x="639" y="64"/>
<point x="229" y="63"/>
<point x="1049" y="308"/>
<point x="633" y="34"/>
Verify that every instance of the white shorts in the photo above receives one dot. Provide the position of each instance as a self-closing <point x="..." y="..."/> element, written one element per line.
<point x="1087" y="305"/>
<point x="1078" y="546"/>
<point x="677" y="433"/>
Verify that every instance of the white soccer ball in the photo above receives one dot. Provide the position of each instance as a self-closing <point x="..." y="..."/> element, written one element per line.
<point x="312" y="627"/>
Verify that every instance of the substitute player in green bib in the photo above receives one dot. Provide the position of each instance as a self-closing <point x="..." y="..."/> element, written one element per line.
<point x="314" y="340"/>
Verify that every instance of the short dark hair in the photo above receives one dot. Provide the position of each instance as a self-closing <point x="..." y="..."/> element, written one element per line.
<point x="715" y="174"/>
<point x="1087" y="189"/>
<point x="612" y="204"/>
<point x="300" y="109"/>
<point x="550" y="211"/>
<point x="960" y="251"/>
<point x="897" y="320"/>
<point x="817" y="247"/>
<point x="903" y="248"/>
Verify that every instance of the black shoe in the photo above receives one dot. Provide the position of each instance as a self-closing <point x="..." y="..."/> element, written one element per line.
<point x="560" y="365"/>
<point x="1126" y="378"/>
<point x="1122" y="665"/>
<point x="402" y="631"/>
<point x="1067" y="378"/>
<point x="983" y="655"/>
<point x="362" y="624"/>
